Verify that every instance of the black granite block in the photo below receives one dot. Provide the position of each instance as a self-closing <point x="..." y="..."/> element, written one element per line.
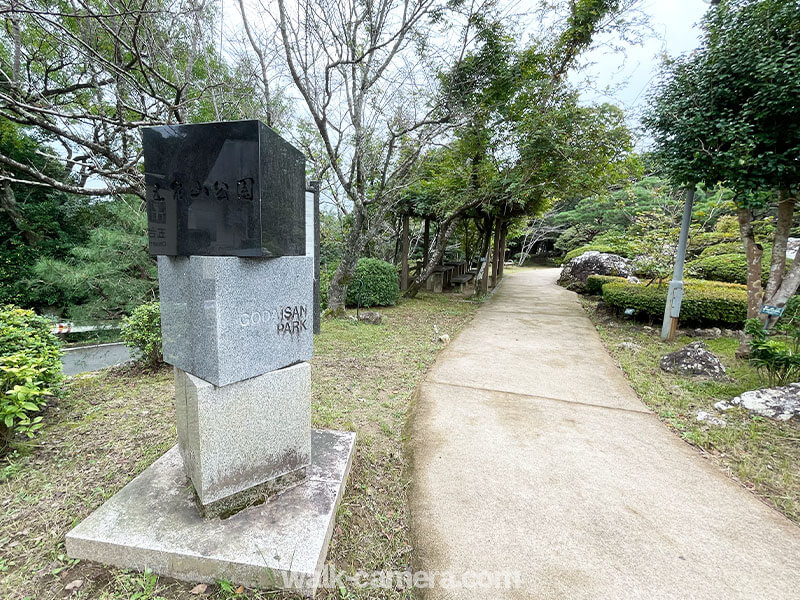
<point x="223" y="189"/>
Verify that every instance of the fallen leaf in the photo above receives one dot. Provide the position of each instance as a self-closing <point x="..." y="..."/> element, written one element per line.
<point x="240" y="589"/>
<point x="73" y="585"/>
<point x="200" y="588"/>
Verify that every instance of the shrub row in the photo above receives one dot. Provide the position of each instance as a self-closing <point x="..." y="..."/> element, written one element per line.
<point x="30" y="370"/>
<point x="704" y="302"/>
<point x="595" y="283"/>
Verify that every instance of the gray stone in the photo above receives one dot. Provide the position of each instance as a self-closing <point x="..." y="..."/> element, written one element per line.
<point x="779" y="403"/>
<point x="706" y="417"/>
<point x="225" y="319"/>
<point x="371" y="317"/>
<point x="694" y="359"/>
<point x="246" y="440"/>
<point x="577" y="271"/>
<point x="152" y="523"/>
<point x="629" y="346"/>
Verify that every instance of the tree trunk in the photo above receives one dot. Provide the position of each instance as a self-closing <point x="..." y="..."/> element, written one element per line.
<point x="347" y="266"/>
<point x="446" y="229"/>
<point x="404" y="257"/>
<point x="426" y="243"/>
<point x="790" y="281"/>
<point x="501" y="264"/>
<point x="777" y="266"/>
<point x="753" y="252"/>
<point x="496" y="252"/>
<point x="482" y="278"/>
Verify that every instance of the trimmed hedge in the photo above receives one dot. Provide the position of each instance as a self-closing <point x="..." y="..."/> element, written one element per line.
<point x="595" y="283"/>
<point x="381" y="287"/>
<point x="704" y="302"/>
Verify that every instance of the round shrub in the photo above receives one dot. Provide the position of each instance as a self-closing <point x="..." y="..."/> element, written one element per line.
<point x="730" y="268"/>
<point x="30" y="370"/>
<point x="142" y="331"/>
<point x="380" y="285"/>
<point x="704" y="302"/>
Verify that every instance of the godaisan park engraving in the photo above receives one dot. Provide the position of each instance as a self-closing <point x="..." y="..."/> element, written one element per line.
<point x="288" y="320"/>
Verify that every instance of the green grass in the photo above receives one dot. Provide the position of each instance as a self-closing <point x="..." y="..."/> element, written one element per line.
<point x="764" y="455"/>
<point x="110" y="426"/>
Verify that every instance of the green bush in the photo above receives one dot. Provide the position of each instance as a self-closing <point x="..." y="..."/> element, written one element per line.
<point x="775" y="354"/>
<point x="142" y="331"/>
<point x="730" y="268"/>
<point x="380" y="285"/>
<point x="704" y="302"/>
<point x="723" y="248"/>
<point x="595" y="283"/>
<point x="30" y="370"/>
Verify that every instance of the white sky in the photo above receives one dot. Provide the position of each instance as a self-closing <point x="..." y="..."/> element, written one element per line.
<point x="625" y="78"/>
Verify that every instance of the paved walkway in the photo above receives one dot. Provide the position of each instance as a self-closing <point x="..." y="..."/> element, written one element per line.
<point x="532" y="454"/>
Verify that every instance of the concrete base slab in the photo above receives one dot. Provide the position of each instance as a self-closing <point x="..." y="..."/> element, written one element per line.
<point x="153" y="523"/>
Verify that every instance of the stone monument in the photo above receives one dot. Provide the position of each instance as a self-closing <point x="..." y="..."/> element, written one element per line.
<point x="250" y="492"/>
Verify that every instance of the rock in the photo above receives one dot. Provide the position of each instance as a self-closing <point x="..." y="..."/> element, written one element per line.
<point x="633" y="279"/>
<point x="200" y="588"/>
<point x="629" y="346"/>
<point x="370" y="317"/>
<point x="694" y="359"/>
<point x="648" y="328"/>
<point x="575" y="272"/>
<point x="706" y="417"/>
<point x="779" y="403"/>
<point x="73" y="585"/>
<point x="715" y="332"/>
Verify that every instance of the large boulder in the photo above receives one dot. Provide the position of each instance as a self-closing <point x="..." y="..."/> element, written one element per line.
<point x="695" y="360"/>
<point x="779" y="403"/>
<point x="576" y="272"/>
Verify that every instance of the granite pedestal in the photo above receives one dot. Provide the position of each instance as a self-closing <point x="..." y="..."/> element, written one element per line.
<point x="152" y="523"/>
<point x="225" y="319"/>
<point x="245" y="441"/>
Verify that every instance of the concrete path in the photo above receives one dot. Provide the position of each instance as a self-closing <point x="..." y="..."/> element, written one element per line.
<point x="532" y="454"/>
<point x="93" y="358"/>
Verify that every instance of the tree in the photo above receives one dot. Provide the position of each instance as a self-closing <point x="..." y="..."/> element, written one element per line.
<point x="109" y="275"/>
<point x="87" y="75"/>
<point x="729" y="113"/>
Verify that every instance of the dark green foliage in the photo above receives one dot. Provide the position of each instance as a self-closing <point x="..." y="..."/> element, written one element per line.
<point x="142" y="331"/>
<point x="729" y="111"/>
<point x="30" y="370"/>
<point x="35" y="222"/>
<point x="704" y="302"/>
<point x="776" y="354"/>
<point x="111" y="274"/>
<point x="380" y="286"/>
<point x="595" y="283"/>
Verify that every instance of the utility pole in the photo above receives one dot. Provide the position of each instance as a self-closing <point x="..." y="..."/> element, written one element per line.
<point x="675" y="292"/>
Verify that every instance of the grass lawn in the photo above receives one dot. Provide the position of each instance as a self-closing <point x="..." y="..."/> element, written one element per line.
<point x="764" y="455"/>
<point x="110" y="426"/>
